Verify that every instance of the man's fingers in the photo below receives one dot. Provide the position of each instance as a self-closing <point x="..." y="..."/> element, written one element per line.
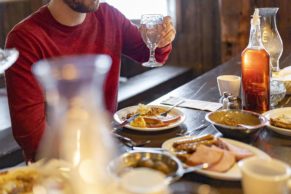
<point x="168" y="38"/>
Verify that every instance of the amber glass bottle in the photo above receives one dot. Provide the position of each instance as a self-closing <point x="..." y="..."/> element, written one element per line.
<point x="255" y="71"/>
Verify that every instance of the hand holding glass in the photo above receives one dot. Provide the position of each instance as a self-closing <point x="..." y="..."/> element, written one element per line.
<point x="151" y="27"/>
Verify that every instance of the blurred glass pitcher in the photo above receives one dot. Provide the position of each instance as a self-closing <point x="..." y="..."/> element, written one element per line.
<point x="77" y="129"/>
<point x="270" y="36"/>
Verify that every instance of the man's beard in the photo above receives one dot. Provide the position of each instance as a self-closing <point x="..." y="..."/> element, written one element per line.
<point x="79" y="6"/>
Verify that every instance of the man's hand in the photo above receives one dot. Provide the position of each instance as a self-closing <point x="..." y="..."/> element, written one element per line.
<point x="168" y="32"/>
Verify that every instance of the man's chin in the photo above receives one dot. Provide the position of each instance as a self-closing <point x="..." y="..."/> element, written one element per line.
<point x="82" y="7"/>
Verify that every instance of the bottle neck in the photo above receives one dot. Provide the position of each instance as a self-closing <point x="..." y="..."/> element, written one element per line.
<point x="255" y="40"/>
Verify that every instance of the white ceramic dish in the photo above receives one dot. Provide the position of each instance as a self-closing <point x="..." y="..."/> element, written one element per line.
<point x="175" y="112"/>
<point x="278" y="111"/>
<point x="231" y="175"/>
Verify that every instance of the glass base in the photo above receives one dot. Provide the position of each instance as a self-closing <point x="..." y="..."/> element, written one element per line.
<point x="275" y="69"/>
<point x="152" y="64"/>
<point x="277" y="92"/>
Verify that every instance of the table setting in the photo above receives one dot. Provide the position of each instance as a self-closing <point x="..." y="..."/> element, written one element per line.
<point x="204" y="96"/>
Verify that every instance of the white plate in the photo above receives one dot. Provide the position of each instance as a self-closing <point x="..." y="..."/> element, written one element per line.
<point x="233" y="173"/>
<point x="278" y="111"/>
<point x="175" y="112"/>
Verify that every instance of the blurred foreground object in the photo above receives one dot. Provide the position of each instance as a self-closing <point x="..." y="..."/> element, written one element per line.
<point x="77" y="125"/>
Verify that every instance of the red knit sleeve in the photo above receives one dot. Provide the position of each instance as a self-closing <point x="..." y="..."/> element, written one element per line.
<point x="26" y="102"/>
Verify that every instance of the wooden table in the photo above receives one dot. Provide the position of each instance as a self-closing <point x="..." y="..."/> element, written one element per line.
<point x="201" y="88"/>
<point x="205" y="88"/>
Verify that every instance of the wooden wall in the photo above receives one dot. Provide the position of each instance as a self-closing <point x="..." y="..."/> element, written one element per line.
<point x="210" y="32"/>
<point x="197" y="43"/>
<point x="235" y="22"/>
<point x="11" y="12"/>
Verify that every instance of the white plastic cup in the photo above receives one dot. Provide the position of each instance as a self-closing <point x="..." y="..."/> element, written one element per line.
<point x="229" y="83"/>
<point x="265" y="176"/>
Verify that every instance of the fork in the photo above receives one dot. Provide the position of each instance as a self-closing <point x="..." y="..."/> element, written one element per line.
<point x="129" y="142"/>
<point x="199" y="128"/>
<point x="164" y="114"/>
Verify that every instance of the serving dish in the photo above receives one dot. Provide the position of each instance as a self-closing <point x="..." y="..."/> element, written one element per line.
<point x="164" y="162"/>
<point x="233" y="174"/>
<point x="236" y="123"/>
<point x="276" y="112"/>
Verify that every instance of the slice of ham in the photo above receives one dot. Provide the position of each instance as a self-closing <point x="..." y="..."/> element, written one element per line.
<point x="225" y="163"/>
<point x="239" y="153"/>
<point x="204" y="154"/>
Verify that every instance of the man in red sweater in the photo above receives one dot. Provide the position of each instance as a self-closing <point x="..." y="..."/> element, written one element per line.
<point x="69" y="27"/>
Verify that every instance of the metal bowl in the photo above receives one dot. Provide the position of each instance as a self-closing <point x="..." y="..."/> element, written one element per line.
<point x="162" y="161"/>
<point x="236" y="123"/>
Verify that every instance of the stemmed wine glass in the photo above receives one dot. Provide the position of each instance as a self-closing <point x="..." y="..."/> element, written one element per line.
<point x="151" y="26"/>
<point x="7" y="58"/>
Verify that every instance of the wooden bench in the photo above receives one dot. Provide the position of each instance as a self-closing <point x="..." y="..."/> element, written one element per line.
<point x="149" y="85"/>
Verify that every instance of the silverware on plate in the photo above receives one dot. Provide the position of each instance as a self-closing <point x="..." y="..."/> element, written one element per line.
<point x="118" y="126"/>
<point x="129" y="142"/>
<point x="164" y="114"/>
<point x="196" y="129"/>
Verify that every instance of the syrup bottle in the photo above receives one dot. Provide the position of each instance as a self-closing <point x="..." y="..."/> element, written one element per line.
<point x="255" y="71"/>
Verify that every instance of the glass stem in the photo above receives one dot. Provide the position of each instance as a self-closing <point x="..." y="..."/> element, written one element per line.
<point x="152" y="55"/>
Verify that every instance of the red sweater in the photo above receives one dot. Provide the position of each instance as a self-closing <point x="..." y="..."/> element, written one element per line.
<point x="40" y="36"/>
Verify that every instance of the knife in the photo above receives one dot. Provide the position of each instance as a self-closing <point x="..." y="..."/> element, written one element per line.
<point x="125" y="122"/>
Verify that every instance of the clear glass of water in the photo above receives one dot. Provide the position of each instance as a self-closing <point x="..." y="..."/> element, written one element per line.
<point x="150" y="28"/>
<point x="7" y="58"/>
<point x="278" y="91"/>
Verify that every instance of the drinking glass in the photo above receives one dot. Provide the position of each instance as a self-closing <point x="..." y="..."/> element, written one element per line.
<point x="7" y="58"/>
<point x="277" y="91"/>
<point x="271" y="38"/>
<point x="151" y="26"/>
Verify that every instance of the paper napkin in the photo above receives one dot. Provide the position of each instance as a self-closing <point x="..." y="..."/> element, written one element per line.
<point x="196" y="104"/>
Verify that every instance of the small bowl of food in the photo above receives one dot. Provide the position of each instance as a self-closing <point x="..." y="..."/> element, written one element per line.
<point x="168" y="164"/>
<point x="236" y="123"/>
